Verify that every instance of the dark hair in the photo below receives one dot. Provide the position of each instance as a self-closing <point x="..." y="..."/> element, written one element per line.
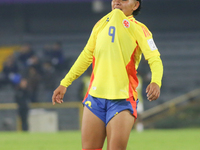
<point x="136" y="12"/>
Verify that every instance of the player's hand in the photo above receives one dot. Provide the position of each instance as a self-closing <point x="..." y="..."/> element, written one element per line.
<point x="153" y="91"/>
<point x="58" y="94"/>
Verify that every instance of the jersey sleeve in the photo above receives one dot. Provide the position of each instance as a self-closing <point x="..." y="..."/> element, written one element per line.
<point x="145" y="41"/>
<point x="150" y="51"/>
<point x="156" y="67"/>
<point x="83" y="62"/>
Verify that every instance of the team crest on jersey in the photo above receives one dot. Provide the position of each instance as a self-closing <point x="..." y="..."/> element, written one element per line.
<point x="126" y="23"/>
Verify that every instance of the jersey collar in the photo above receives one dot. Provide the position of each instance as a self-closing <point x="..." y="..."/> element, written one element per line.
<point x="131" y="18"/>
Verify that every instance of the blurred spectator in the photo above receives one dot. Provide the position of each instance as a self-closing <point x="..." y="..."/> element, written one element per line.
<point x="21" y="98"/>
<point x="34" y="61"/>
<point x="10" y="73"/>
<point x="33" y="78"/>
<point x="26" y="63"/>
<point x="55" y="55"/>
<point x="2" y="80"/>
<point x="48" y="80"/>
<point x="26" y="52"/>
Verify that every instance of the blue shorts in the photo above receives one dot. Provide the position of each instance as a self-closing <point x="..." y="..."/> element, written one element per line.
<point x="106" y="109"/>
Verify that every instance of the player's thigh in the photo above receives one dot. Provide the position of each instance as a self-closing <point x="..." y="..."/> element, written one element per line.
<point x="93" y="130"/>
<point x="118" y="130"/>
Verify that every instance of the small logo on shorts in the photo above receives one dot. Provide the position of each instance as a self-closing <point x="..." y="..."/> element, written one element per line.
<point x="116" y="113"/>
<point x="88" y="103"/>
<point x="126" y="23"/>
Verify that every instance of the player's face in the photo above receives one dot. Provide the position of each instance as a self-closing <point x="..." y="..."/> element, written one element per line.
<point x="127" y="6"/>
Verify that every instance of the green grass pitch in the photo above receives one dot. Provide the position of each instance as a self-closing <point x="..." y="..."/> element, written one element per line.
<point x="177" y="139"/>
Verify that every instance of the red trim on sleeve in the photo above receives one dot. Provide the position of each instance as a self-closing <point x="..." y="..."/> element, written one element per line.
<point x="146" y="32"/>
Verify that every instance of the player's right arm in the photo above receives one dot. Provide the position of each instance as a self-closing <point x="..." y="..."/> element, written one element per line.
<point x="81" y="64"/>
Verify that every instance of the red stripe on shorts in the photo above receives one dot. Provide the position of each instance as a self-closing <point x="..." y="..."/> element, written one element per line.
<point x="134" y="106"/>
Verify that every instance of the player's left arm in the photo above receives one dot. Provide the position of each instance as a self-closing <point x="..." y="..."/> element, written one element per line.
<point x="151" y="53"/>
<point x="153" y="89"/>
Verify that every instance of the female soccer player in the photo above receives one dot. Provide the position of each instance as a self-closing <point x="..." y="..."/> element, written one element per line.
<point x="114" y="49"/>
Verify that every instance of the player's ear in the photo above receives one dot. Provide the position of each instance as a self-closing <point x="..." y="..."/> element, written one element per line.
<point x="136" y="5"/>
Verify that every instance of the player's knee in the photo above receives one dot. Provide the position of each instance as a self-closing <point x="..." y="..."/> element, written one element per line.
<point x="117" y="146"/>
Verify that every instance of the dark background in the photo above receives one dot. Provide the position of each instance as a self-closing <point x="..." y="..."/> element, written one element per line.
<point x="70" y="17"/>
<point x="175" y="25"/>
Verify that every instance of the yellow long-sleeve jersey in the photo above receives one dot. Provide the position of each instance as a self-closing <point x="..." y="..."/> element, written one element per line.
<point x="115" y="47"/>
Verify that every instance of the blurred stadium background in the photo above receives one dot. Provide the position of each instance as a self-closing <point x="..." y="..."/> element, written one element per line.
<point x="40" y="23"/>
